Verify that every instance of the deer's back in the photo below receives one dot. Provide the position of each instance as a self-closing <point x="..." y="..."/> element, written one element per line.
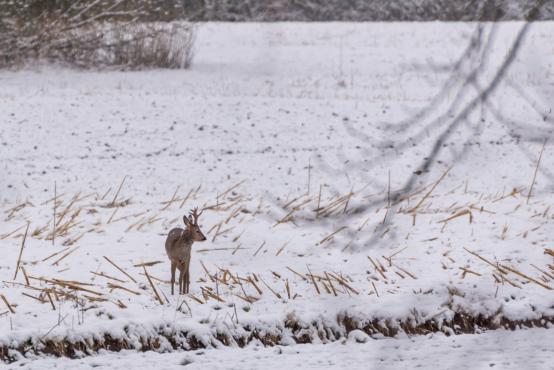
<point x="178" y="248"/>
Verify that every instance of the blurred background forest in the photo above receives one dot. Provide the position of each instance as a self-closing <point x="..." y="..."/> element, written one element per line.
<point x="295" y="10"/>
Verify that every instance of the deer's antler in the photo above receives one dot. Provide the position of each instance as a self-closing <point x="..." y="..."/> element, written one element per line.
<point x="194" y="215"/>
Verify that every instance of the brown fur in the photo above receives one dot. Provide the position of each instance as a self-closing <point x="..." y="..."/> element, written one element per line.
<point x="178" y="246"/>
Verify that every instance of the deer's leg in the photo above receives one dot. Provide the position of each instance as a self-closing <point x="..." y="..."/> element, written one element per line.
<point x="181" y="278"/>
<point x="173" y="268"/>
<point x="187" y="279"/>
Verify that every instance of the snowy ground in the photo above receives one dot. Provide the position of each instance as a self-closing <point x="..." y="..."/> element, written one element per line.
<point x="497" y="350"/>
<point x="267" y="107"/>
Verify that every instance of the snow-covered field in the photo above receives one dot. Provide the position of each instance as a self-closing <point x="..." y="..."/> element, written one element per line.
<point x="280" y="131"/>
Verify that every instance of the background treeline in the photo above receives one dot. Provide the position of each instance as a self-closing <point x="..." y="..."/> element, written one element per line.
<point x="301" y="10"/>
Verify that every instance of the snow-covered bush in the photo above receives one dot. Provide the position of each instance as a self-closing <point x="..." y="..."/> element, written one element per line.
<point x="92" y="34"/>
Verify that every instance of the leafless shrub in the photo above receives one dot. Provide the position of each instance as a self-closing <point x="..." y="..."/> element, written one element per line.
<point x="152" y="45"/>
<point x="95" y="36"/>
<point x="128" y="46"/>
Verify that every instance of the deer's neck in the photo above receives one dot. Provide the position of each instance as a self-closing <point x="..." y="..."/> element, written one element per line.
<point x="186" y="238"/>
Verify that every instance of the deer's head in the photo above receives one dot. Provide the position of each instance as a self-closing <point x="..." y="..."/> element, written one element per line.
<point x="191" y="222"/>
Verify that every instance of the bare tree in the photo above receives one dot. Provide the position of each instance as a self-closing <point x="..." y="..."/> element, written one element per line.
<point x="467" y="96"/>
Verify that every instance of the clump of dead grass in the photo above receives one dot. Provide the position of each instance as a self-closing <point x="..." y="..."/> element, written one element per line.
<point x="101" y="35"/>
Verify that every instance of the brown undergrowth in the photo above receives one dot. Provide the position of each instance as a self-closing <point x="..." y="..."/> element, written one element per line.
<point x="291" y="330"/>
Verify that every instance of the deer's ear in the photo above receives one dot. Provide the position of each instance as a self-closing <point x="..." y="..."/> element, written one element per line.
<point x="186" y="221"/>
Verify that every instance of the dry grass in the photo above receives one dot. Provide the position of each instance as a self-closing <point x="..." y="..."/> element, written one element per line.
<point x="231" y="214"/>
<point x="229" y="203"/>
<point x="21" y="251"/>
<point x="120" y="269"/>
<point x="8" y="305"/>
<point x="536" y="171"/>
<point x="96" y="36"/>
<point x="152" y="286"/>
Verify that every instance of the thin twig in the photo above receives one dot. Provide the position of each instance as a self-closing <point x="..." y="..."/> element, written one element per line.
<point x="118" y="190"/>
<point x="54" y="219"/>
<point x="536" y="170"/>
<point x="152" y="285"/>
<point x="21" y="251"/>
<point x="7" y="303"/>
<point x="120" y="269"/>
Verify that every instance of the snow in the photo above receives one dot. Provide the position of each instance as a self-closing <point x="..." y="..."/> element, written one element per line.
<point x="267" y="106"/>
<point x="529" y="349"/>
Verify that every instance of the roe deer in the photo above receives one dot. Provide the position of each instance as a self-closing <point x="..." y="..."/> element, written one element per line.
<point x="178" y="248"/>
